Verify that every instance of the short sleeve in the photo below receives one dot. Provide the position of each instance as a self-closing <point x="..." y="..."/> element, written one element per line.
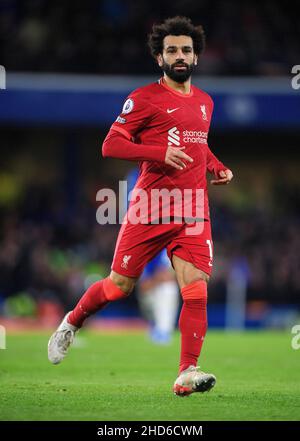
<point x="134" y="116"/>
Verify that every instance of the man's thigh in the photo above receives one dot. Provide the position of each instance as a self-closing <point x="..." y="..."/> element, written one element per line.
<point x="197" y="249"/>
<point x="137" y="244"/>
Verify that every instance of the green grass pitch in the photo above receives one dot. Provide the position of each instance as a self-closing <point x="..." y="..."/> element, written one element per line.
<point x="124" y="377"/>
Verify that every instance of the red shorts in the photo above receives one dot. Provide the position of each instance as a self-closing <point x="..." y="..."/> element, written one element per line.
<point x="137" y="244"/>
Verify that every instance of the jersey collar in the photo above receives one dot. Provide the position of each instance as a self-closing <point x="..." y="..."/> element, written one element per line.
<point x="183" y="95"/>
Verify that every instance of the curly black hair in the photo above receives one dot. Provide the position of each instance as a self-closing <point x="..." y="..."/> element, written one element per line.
<point x="176" y="26"/>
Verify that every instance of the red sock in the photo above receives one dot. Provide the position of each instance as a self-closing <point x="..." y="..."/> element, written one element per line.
<point x="192" y="323"/>
<point x="95" y="298"/>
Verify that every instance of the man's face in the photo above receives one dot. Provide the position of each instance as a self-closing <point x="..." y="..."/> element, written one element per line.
<point x="178" y="58"/>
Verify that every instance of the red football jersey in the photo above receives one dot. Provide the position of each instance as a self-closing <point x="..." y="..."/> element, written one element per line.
<point x="158" y="116"/>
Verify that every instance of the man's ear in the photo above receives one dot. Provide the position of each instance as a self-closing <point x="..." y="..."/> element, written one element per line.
<point x="160" y="60"/>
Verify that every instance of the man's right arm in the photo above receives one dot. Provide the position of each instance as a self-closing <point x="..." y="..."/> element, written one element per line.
<point x="118" y="144"/>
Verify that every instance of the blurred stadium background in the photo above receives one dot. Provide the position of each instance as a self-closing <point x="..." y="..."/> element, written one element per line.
<point x="69" y="66"/>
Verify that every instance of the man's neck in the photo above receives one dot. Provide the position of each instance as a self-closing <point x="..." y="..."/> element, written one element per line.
<point x="183" y="88"/>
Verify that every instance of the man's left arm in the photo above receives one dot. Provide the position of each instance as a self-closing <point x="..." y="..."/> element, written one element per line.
<point x="222" y="173"/>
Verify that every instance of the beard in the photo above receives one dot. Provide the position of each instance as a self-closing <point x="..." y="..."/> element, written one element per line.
<point x="180" y="76"/>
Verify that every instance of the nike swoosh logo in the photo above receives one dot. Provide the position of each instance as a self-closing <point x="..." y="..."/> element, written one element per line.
<point x="172" y="110"/>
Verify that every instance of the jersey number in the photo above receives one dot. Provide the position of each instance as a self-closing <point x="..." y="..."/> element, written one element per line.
<point x="210" y="251"/>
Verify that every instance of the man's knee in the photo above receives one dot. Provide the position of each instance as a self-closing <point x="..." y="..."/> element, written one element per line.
<point x="189" y="278"/>
<point x="203" y="276"/>
<point x="126" y="284"/>
<point x="193" y="274"/>
<point x="187" y="273"/>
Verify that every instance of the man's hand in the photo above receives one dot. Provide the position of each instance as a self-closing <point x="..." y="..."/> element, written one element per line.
<point x="225" y="177"/>
<point x="175" y="157"/>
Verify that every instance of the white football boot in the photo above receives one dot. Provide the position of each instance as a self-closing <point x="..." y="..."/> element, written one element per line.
<point x="193" y="380"/>
<point x="60" y="341"/>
